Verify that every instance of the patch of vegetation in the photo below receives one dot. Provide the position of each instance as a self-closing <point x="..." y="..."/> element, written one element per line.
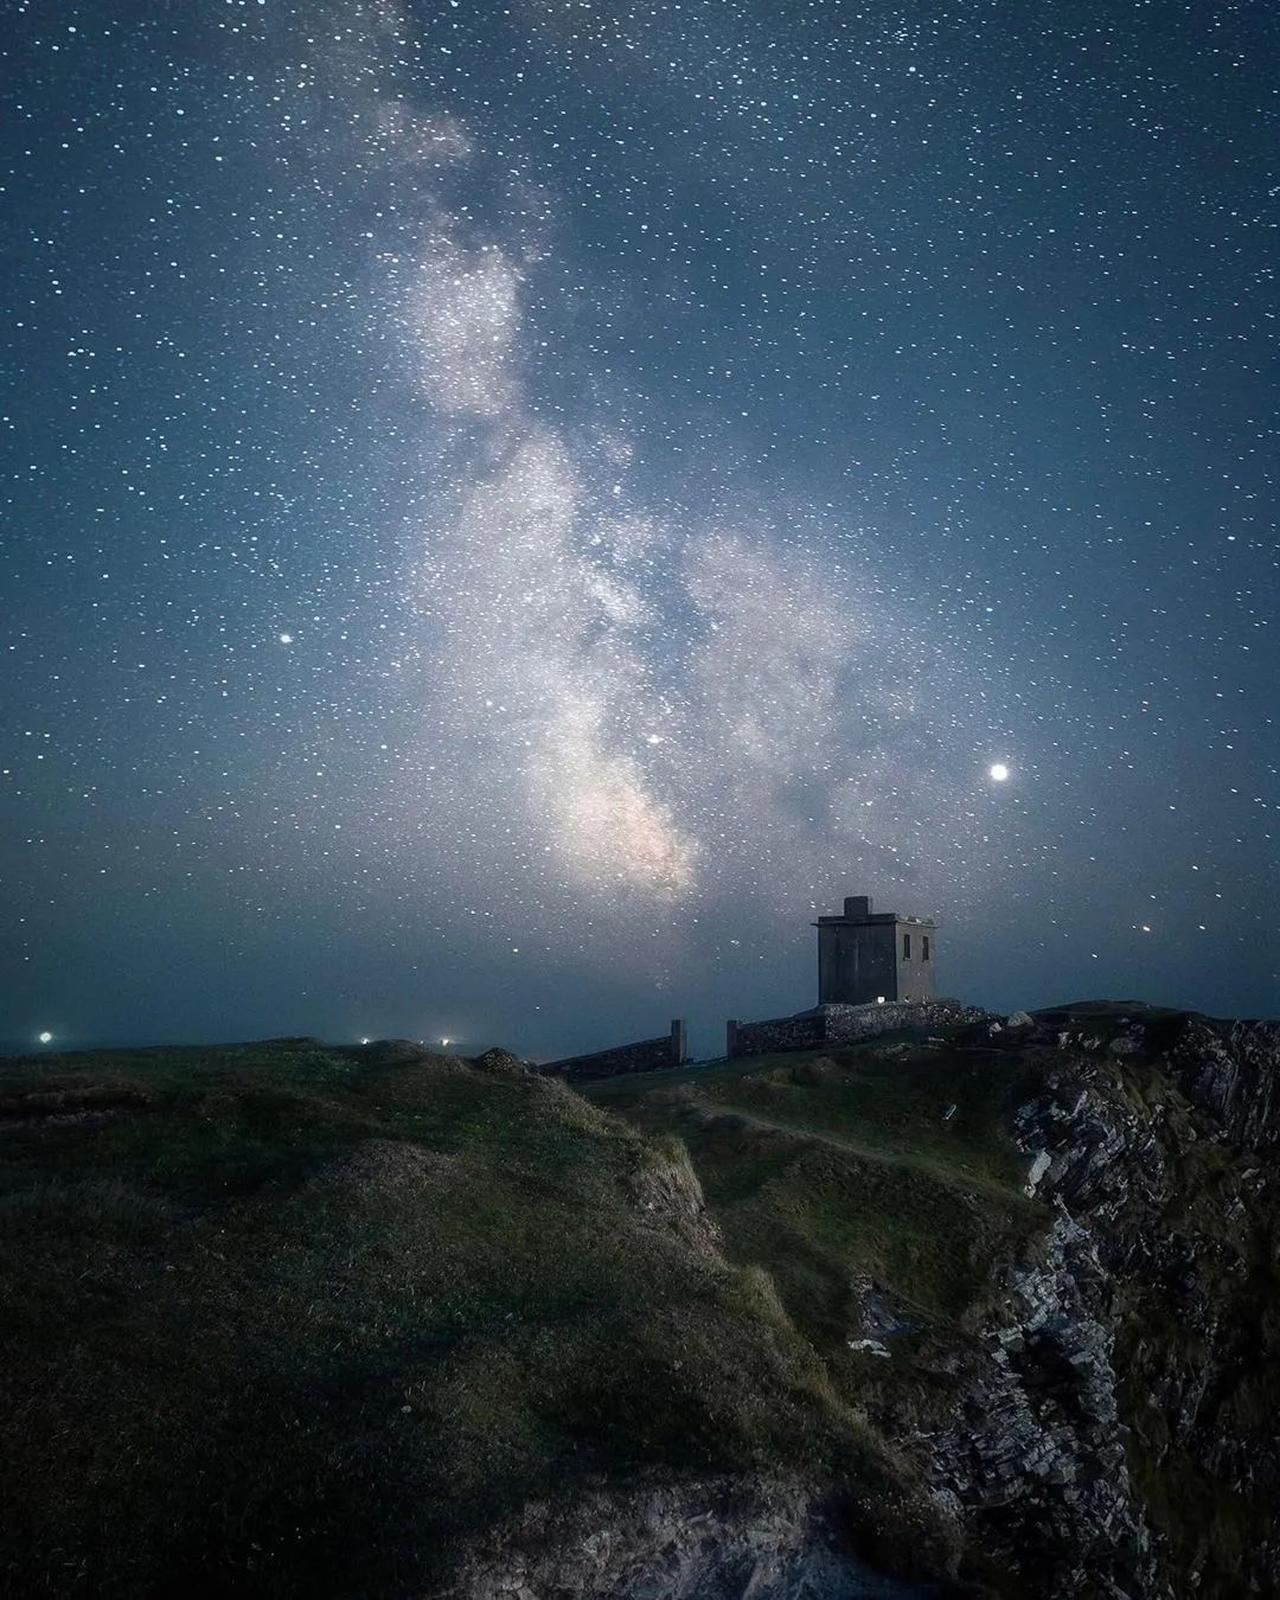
<point x="884" y="1172"/>
<point x="295" y="1319"/>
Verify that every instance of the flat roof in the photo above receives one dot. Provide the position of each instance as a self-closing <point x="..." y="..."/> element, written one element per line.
<point x="873" y="917"/>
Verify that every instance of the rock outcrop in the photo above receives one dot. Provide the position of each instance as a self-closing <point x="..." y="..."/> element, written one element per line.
<point x="715" y="1539"/>
<point x="1099" y="1420"/>
<point x="988" y="1308"/>
<point x="1118" y="1432"/>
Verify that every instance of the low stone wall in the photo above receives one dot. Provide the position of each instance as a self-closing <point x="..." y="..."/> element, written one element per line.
<point x="806" y="1031"/>
<point x="645" y="1055"/>
<point x="839" y="1024"/>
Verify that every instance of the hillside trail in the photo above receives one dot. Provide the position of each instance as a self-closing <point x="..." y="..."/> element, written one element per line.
<point x="935" y="1168"/>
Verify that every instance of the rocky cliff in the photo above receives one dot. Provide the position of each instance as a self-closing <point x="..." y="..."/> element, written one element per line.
<point x="983" y="1307"/>
<point x="1097" y="1414"/>
<point x="1141" y="1362"/>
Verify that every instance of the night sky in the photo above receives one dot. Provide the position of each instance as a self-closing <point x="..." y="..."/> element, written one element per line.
<point x="510" y="510"/>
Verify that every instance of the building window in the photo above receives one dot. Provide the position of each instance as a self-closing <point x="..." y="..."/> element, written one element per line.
<point x="906" y="947"/>
<point x="924" y="947"/>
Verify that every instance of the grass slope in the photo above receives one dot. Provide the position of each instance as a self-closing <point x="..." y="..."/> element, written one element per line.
<point x="826" y="1167"/>
<point x="879" y="1189"/>
<point x="877" y="1214"/>
<point x="288" y="1320"/>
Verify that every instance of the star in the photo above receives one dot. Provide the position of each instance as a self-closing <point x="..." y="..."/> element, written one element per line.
<point x="627" y="629"/>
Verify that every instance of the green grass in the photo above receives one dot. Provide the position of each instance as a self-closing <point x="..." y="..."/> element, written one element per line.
<point x="304" y="1320"/>
<point x="828" y="1172"/>
<point x="296" y="1319"/>
<point x="836" y="1172"/>
<point x="820" y="1167"/>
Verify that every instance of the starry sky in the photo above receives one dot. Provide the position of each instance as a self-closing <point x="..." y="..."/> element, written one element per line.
<point x="510" y="509"/>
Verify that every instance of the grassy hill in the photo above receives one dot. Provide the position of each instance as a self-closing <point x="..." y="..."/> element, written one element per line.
<point x="991" y="1310"/>
<point x="306" y="1320"/>
<point x="822" y="1166"/>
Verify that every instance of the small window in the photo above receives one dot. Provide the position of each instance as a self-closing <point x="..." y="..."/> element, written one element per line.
<point x="924" y="947"/>
<point x="906" y="947"/>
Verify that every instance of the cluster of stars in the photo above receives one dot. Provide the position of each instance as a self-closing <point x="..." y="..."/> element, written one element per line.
<point x="512" y="499"/>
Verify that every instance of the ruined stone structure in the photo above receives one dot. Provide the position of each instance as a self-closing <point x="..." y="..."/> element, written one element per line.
<point x="865" y="957"/>
<point x="830" y="1026"/>
<point x="645" y="1055"/>
<point x="875" y="974"/>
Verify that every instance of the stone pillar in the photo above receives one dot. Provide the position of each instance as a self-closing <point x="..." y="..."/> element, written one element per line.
<point x="679" y="1044"/>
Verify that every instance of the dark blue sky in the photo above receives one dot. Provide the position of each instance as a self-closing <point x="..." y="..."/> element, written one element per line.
<point x="511" y="509"/>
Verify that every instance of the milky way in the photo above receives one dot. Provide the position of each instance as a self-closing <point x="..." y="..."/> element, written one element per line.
<point x="514" y="509"/>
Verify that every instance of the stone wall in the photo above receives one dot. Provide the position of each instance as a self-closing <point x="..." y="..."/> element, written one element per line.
<point x="839" y="1024"/>
<point x="645" y="1055"/>
<point x="806" y="1031"/>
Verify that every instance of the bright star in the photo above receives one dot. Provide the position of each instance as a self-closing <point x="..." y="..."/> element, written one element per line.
<point x="286" y="638"/>
<point x="998" y="772"/>
<point x="46" y="1038"/>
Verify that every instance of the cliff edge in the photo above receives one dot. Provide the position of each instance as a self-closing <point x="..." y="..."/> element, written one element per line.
<point x="983" y="1308"/>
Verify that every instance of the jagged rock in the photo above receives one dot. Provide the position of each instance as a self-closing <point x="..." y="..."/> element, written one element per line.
<point x="1036" y="1440"/>
<point x="1230" y="1071"/>
<point x="1040" y="1164"/>
<point x="1095" y="1367"/>
<point x="720" y="1539"/>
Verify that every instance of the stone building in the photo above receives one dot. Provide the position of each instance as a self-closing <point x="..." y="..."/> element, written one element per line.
<point x="866" y="956"/>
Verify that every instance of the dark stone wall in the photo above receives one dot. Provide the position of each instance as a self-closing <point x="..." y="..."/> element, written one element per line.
<point x="645" y="1055"/>
<point x="838" y="1024"/>
<point x="804" y="1032"/>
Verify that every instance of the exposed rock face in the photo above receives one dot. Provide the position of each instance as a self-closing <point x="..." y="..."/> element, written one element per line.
<point x="720" y="1539"/>
<point x="1119" y="1434"/>
<point x="1035" y="1461"/>
<point x="1107" y="1430"/>
<point x="1230" y="1071"/>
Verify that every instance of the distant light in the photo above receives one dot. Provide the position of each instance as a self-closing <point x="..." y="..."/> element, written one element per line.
<point x="879" y="999"/>
<point x="364" y="1041"/>
<point x="45" y="1038"/>
<point x="1145" y="928"/>
<point x="444" y="1041"/>
<point x="998" y="772"/>
<point x="286" y="638"/>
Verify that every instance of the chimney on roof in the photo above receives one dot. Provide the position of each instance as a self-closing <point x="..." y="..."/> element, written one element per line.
<point x="857" y="905"/>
